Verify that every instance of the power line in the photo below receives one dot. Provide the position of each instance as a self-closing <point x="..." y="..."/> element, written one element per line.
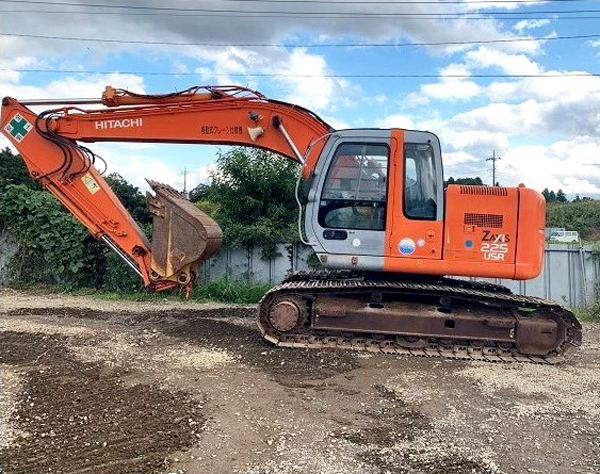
<point x="349" y="16"/>
<point x="332" y="2"/>
<point x="290" y="13"/>
<point x="410" y="2"/>
<point x="336" y="45"/>
<point x="316" y="76"/>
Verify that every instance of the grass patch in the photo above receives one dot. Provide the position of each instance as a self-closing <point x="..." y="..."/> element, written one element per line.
<point x="231" y="291"/>
<point x="590" y="313"/>
<point x="227" y="290"/>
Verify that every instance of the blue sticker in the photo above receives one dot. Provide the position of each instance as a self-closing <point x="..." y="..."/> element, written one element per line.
<point x="406" y="246"/>
<point x="469" y="243"/>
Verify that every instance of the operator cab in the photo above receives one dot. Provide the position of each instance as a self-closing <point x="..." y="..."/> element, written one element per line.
<point x="371" y="187"/>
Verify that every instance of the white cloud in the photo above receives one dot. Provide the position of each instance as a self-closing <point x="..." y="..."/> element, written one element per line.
<point x="477" y="5"/>
<point x="298" y="74"/>
<point x="196" y="27"/>
<point x="582" y="187"/>
<point x="574" y="113"/>
<point x="537" y="110"/>
<point x="530" y="24"/>
<point x="562" y="165"/>
<point x="136" y="167"/>
<point x="571" y="86"/>
<point x="311" y="92"/>
<point x="396" y="121"/>
<point x="471" y="137"/>
<point x="500" y="118"/>
<point x="202" y="174"/>
<point x="476" y="143"/>
<point x="449" y="88"/>
<point x="337" y="123"/>
<point x="485" y="57"/>
<point x="458" y="158"/>
<point x="11" y="65"/>
<point x="70" y="87"/>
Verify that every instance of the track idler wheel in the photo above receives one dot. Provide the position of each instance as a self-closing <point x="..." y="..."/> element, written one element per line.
<point x="287" y="313"/>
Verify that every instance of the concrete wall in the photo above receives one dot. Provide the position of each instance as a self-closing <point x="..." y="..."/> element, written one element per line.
<point x="8" y="248"/>
<point x="566" y="268"/>
<point x="248" y="263"/>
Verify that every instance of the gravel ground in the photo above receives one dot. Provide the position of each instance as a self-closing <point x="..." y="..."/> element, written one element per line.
<point x="112" y="386"/>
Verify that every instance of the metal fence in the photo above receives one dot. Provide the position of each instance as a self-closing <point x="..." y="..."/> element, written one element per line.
<point x="569" y="275"/>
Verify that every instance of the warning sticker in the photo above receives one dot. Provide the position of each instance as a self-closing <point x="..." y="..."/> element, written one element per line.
<point x="90" y="183"/>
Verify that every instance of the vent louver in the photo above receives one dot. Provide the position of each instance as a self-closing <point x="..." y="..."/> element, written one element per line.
<point x="484" y="220"/>
<point x="483" y="190"/>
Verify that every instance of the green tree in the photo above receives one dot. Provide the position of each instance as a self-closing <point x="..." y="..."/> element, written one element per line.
<point x="131" y="197"/>
<point x="582" y="216"/>
<point x="14" y="171"/>
<point x="546" y="194"/>
<point x="253" y="193"/>
<point x="472" y="181"/>
<point x="560" y="196"/>
<point x="200" y="192"/>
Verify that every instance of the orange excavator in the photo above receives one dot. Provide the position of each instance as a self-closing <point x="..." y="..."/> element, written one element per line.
<point x="375" y="212"/>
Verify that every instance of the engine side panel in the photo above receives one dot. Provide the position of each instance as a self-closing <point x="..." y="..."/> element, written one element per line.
<point x="481" y="224"/>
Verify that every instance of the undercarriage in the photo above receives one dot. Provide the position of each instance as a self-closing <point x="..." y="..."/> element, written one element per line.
<point x="415" y="315"/>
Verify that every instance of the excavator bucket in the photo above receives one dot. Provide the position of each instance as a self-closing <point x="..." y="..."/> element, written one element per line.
<point x="182" y="235"/>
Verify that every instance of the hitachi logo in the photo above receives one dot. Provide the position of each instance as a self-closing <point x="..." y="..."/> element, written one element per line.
<point x="123" y="123"/>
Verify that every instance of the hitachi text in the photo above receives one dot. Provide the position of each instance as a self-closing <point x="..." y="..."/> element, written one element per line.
<point x="123" y="123"/>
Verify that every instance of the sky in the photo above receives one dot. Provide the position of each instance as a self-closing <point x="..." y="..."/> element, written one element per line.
<point x="519" y="80"/>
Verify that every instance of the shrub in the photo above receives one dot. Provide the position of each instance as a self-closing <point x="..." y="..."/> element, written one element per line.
<point x="52" y="246"/>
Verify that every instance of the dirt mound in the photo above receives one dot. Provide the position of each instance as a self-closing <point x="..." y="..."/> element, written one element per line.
<point x="81" y="417"/>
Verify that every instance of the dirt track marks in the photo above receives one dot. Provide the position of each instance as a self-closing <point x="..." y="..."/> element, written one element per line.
<point x="81" y="417"/>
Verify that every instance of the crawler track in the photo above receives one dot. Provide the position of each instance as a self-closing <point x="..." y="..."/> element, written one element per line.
<point x="394" y="315"/>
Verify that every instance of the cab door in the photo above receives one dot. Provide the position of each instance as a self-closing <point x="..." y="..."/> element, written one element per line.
<point x="347" y="204"/>
<point x="414" y="230"/>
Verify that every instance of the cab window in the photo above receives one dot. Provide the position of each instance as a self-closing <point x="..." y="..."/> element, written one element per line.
<point x="420" y="182"/>
<point x="354" y="194"/>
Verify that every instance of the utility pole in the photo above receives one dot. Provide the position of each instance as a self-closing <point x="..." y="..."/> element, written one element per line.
<point x="493" y="159"/>
<point x="184" y="173"/>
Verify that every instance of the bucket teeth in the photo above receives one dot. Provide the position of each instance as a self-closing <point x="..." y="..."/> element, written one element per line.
<point x="182" y="235"/>
<point x="164" y="188"/>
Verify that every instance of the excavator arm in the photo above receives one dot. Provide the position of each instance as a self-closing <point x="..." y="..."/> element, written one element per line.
<point x="183" y="236"/>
